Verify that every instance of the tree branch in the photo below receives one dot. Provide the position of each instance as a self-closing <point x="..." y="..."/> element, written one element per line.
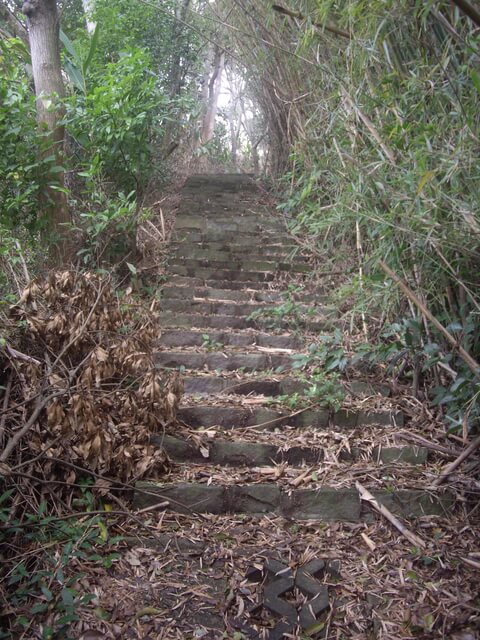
<point x="297" y="14"/>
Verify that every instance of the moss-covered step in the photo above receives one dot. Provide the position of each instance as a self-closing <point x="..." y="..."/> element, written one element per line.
<point x="236" y="417"/>
<point x="324" y="504"/>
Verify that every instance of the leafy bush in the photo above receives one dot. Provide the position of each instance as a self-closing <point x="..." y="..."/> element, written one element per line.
<point x="116" y="122"/>
<point x="20" y="169"/>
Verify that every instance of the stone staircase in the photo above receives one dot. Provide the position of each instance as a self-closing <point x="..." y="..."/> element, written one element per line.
<point x="237" y="452"/>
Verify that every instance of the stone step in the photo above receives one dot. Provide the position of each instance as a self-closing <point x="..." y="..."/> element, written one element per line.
<point x="192" y="320"/>
<point x="256" y="254"/>
<point x="177" y="280"/>
<point x="252" y="224"/>
<point x="239" y="265"/>
<point x="323" y="504"/>
<point x="245" y="295"/>
<point x="182" y="338"/>
<point x="237" y="417"/>
<point x="221" y="362"/>
<point x="219" y="307"/>
<point x="253" y="454"/>
<point x="221" y="274"/>
<point x="206" y="385"/>
<point x="240" y="237"/>
<point x="273" y="249"/>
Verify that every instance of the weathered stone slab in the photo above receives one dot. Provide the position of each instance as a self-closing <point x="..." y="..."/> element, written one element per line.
<point x="348" y="419"/>
<point x="192" y="246"/>
<point x="235" y="285"/>
<point x="226" y="417"/>
<point x="240" y="265"/>
<point x="178" y="319"/>
<point x="215" y="384"/>
<point x="179" y="337"/>
<point x="413" y="503"/>
<point x="231" y="417"/>
<point x="222" y="274"/>
<point x="220" y="361"/>
<point x="405" y="455"/>
<point x="225" y="452"/>
<point x="183" y="497"/>
<point x="254" y="498"/>
<point x="233" y="308"/>
<point x="189" y="251"/>
<point x="323" y="504"/>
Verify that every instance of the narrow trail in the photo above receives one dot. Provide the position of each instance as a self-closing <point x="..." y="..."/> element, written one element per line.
<point x="265" y="533"/>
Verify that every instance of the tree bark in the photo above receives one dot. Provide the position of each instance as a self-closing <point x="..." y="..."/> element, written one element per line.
<point x="214" y="86"/>
<point x="43" y="35"/>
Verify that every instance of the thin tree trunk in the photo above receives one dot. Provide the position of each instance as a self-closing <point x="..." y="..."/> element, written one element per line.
<point x="214" y="86"/>
<point x="43" y="34"/>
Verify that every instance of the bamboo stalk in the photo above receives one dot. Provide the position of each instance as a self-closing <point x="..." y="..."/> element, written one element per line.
<point x="386" y="513"/>
<point x="473" y="365"/>
<point x="449" y="469"/>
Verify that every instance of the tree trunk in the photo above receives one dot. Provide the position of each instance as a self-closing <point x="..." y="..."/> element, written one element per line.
<point x="214" y="86"/>
<point x="43" y="30"/>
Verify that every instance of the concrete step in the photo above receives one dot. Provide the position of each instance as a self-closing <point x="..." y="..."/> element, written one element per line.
<point x="237" y="417"/>
<point x="182" y="338"/>
<point x="251" y="224"/>
<point x="273" y="249"/>
<point x="206" y="385"/>
<point x="244" y="295"/>
<point x="221" y="362"/>
<point x="239" y="265"/>
<point x="192" y="320"/>
<point x="225" y="275"/>
<point x="322" y="504"/>
<point x="252" y="454"/>
<point x="240" y="237"/>
<point x="219" y="307"/>
<point x="256" y="254"/>
<point x="177" y="280"/>
<point x="219" y="183"/>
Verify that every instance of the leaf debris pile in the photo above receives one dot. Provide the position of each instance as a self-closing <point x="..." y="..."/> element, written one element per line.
<point x="88" y="388"/>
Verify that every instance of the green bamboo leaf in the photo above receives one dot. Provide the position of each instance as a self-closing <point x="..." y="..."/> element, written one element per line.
<point x="91" y="51"/>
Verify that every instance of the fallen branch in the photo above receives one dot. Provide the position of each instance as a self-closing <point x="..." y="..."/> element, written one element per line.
<point x="15" y="439"/>
<point x="473" y="365"/>
<point x="413" y="437"/>
<point x="386" y="513"/>
<point x="457" y="462"/>
<point x="279" y="419"/>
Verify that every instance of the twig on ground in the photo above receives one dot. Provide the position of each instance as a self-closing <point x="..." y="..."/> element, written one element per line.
<point x="386" y="513"/>
<point x="457" y="462"/>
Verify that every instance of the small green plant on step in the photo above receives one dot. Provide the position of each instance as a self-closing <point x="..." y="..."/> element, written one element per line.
<point x="329" y="352"/>
<point x="321" y="388"/>
<point x="210" y="344"/>
<point x="289" y="311"/>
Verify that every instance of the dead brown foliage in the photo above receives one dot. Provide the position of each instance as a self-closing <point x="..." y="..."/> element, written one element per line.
<point x="83" y="362"/>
